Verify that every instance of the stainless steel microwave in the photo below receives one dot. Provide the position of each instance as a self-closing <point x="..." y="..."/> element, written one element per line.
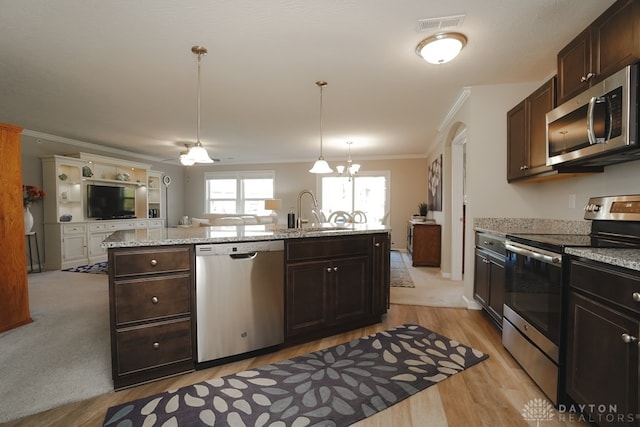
<point x="598" y="127"/>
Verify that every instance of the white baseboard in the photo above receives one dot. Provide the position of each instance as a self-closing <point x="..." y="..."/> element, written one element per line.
<point x="471" y="303"/>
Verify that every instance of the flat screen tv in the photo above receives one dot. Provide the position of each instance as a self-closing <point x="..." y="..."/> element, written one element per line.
<point x="108" y="202"/>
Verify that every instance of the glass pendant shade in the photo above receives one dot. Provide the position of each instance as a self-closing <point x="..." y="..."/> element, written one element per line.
<point x="198" y="154"/>
<point x="321" y="166"/>
<point x="186" y="161"/>
<point x="441" y="48"/>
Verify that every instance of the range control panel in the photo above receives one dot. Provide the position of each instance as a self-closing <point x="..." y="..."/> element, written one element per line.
<point x="615" y="208"/>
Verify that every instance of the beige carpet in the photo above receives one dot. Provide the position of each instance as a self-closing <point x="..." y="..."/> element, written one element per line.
<point x="431" y="289"/>
<point x="64" y="355"/>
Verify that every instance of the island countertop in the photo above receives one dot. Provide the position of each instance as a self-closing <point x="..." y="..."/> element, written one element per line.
<point x="233" y="233"/>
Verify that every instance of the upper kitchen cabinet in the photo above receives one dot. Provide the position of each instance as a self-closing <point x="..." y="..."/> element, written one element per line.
<point x="610" y="43"/>
<point x="526" y="133"/>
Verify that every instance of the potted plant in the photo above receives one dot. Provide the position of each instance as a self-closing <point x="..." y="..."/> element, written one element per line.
<point x="423" y="208"/>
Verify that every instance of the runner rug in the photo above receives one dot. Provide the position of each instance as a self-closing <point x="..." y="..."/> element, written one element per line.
<point x="336" y="386"/>
<point x="400" y="276"/>
<point x="98" y="268"/>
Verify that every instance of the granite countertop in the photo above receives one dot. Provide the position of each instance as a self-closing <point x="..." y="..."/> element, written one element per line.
<point x="234" y="233"/>
<point x="504" y="226"/>
<point x="627" y="258"/>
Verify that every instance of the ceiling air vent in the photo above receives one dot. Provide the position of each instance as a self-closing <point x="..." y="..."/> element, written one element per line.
<point x="431" y="24"/>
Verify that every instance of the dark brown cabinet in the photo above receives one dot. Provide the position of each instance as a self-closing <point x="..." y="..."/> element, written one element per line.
<point x="424" y="243"/>
<point x="331" y="284"/>
<point x="527" y="133"/>
<point x="150" y="303"/>
<point x="602" y="341"/>
<point x="610" y="43"/>
<point x="489" y="276"/>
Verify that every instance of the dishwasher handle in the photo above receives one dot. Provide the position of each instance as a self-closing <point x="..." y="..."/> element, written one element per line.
<point x="248" y="255"/>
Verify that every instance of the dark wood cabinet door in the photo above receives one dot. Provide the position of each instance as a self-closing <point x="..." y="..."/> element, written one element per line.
<point x="350" y="283"/>
<point x="381" y="273"/>
<point x="307" y="293"/>
<point x="574" y="64"/>
<point x="481" y="278"/>
<point x="540" y="103"/>
<point x="497" y="278"/>
<point x="616" y="38"/>
<point x="517" y="141"/>
<point x="601" y="367"/>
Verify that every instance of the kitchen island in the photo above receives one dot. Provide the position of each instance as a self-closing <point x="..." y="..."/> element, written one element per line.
<point x="335" y="279"/>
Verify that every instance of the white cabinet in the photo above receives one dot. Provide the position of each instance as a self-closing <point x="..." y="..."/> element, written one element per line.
<point x="71" y="237"/>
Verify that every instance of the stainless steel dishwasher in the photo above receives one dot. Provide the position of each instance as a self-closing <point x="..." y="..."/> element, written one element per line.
<point x="239" y="298"/>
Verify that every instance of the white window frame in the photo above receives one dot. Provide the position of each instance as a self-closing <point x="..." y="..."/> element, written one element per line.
<point x="239" y="176"/>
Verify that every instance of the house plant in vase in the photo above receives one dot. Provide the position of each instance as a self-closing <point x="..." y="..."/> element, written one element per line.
<point x="30" y="194"/>
<point x="423" y="208"/>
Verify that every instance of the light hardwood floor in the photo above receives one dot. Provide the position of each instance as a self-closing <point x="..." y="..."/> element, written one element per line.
<point x="492" y="393"/>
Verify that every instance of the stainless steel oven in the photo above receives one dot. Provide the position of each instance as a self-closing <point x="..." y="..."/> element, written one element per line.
<point x="532" y="320"/>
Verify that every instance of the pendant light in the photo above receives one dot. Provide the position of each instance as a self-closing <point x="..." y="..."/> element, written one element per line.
<point x="197" y="153"/>
<point x="321" y="165"/>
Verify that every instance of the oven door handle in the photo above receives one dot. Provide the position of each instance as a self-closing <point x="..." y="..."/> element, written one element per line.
<point x="535" y="255"/>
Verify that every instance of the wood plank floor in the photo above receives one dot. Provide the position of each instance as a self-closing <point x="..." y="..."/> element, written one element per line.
<point x="492" y="393"/>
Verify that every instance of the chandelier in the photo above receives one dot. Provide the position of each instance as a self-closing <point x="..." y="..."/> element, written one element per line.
<point x="352" y="168"/>
<point x="197" y="153"/>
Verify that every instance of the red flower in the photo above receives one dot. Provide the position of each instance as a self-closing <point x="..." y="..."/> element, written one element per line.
<point x="31" y="193"/>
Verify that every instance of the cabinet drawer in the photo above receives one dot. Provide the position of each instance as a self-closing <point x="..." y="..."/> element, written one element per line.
<point x="314" y="248"/>
<point x="74" y="229"/>
<point x="133" y="261"/>
<point x="152" y="298"/>
<point x="491" y="243"/>
<point x="611" y="285"/>
<point x="154" y="345"/>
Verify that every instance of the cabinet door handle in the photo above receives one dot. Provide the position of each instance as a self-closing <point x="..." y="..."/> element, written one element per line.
<point x="377" y="245"/>
<point x="156" y="345"/>
<point x="154" y="262"/>
<point x="629" y="338"/>
<point x="636" y="296"/>
<point x="154" y="300"/>
<point x="486" y="261"/>
<point x="335" y="268"/>
<point x="329" y="269"/>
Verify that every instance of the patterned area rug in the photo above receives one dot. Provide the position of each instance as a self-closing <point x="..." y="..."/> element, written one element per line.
<point x="336" y="386"/>
<point x="98" y="268"/>
<point x="400" y="276"/>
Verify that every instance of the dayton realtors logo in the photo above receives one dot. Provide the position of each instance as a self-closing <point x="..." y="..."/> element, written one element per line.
<point x="540" y="411"/>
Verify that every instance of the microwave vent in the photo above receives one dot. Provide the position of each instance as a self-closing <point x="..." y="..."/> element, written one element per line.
<point x="441" y="23"/>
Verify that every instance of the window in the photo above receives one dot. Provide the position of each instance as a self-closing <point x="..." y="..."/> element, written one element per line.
<point x="238" y="192"/>
<point x="366" y="192"/>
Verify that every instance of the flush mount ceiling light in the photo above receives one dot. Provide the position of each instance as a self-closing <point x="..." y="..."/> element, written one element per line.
<point x="352" y="168"/>
<point x="441" y="47"/>
<point x="197" y="153"/>
<point x="321" y="165"/>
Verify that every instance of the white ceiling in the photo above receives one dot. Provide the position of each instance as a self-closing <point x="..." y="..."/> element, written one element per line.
<point x="121" y="73"/>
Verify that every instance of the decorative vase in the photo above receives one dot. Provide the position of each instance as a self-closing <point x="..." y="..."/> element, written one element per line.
<point x="28" y="220"/>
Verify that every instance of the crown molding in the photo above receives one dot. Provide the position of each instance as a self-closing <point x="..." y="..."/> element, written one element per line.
<point x="457" y="104"/>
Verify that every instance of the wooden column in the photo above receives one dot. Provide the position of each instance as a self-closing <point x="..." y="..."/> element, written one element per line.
<point x="14" y="290"/>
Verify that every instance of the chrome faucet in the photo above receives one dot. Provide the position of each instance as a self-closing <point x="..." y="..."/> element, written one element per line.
<point x="299" y="220"/>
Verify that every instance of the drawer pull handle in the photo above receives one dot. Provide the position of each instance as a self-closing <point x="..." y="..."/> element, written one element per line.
<point x="628" y="338"/>
<point x="154" y="262"/>
<point x="488" y="243"/>
<point x="154" y="300"/>
<point x="156" y="345"/>
<point x="636" y="296"/>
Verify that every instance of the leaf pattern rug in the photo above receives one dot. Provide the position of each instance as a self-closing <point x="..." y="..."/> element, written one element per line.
<point x="336" y="386"/>
<point x="400" y="276"/>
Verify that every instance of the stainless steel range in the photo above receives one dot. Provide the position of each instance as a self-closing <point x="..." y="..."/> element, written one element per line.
<point x="537" y="285"/>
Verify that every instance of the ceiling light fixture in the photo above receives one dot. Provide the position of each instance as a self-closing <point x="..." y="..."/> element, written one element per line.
<point x="197" y="153"/>
<point x="441" y="47"/>
<point x="321" y="165"/>
<point x="352" y="168"/>
<point x="184" y="157"/>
